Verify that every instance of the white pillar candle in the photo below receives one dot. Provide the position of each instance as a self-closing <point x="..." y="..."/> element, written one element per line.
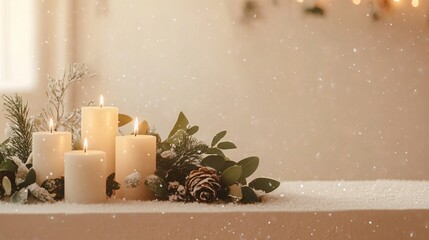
<point x="85" y="176"/>
<point x="48" y="153"/>
<point x="100" y="126"/>
<point x="135" y="160"/>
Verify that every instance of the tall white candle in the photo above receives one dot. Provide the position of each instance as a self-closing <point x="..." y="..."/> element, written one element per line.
<point x="100" y="126"/>
<point x="85" y="176"/>
<point x="48" y="153"/>
<point x="135" y="160"/>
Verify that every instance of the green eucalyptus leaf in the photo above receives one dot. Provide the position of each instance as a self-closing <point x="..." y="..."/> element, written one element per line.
<point x="226" y="145"/>
<point x="143" y="128"/>
<point x="8" y="166"/>
<point x="1" y="157"/>
<point x="157" y="185"/>
<point x="164" y="146"/>
<point x="111" y="185"/>
<point x="181" y="123"/>
<point x="123" y="119"/>
<point x="20" y="196"/>
<point x="230" y="175"/>
<point x="177" y="137"/>
<point x="249" y="166"/>
<point x="216" y="151"/>
<point x="116" y="185"/>
<point x="29" y="179"/>
<point x="214" y="161"/>
<point x="218" y="137"/>
<point x="7" y="186"/>
<point x="228" y="163"/>
<point x="265" y="184"/>
<point x="192" y="130"/>
<point x="249" y="196"/>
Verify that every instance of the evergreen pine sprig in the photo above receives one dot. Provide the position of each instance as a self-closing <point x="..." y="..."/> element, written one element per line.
<point x="20" y="139"/>
<point x="189" y="150"/>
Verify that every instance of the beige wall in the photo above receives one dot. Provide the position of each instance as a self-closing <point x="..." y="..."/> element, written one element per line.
<point x="339" y="97"/>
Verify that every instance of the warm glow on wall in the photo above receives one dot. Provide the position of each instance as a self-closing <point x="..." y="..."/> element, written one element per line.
<point x="356" y="2"/>
<point x="415" y="3"/>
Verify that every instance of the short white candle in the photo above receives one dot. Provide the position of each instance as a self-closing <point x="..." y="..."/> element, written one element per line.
<point x="85" y="176"/>
<point x="48" y="153"/>
<point x="100" y="126"/>
<point x="135" y="156"/>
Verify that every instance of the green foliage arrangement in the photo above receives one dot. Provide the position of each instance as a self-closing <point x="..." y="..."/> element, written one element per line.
<point x="190" y="170"/>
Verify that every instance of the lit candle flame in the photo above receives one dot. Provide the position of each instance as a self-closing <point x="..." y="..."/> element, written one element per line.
<point x="51" y="125"/>
<point x="85" y="145"/>
<point x="136" y="126"/>
<point x="101" y="101"/>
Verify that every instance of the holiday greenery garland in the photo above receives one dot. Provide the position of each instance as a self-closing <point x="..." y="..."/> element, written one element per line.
<point x="190" y="170"/>
<point x="187" y="169"/>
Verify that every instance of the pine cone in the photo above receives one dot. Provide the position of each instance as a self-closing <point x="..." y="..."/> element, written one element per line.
<point x="55" y="186"/>
<point x="177" y="192"/>
<point x="203" y="184"/>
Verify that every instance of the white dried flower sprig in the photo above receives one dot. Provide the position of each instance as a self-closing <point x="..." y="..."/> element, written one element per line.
<point x="55" y="108"/>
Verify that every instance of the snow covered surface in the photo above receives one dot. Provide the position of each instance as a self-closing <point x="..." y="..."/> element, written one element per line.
<point x="289" y="197"/>
<point x="328" y="210"/>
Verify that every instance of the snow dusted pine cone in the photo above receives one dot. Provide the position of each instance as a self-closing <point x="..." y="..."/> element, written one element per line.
<point x="203" y="184"/>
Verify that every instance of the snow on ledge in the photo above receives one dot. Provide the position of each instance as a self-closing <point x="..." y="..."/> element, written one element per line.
<point x="305" y="196"/>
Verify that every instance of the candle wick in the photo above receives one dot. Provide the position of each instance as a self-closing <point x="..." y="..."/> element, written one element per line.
<point x="51" y="125"/>
<point x="136" y="127"/>
<point x="101" y="101"/>
<point x="85" y="145"/>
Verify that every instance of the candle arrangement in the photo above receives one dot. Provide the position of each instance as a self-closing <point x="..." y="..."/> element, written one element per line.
<point x="41" y="166"/>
